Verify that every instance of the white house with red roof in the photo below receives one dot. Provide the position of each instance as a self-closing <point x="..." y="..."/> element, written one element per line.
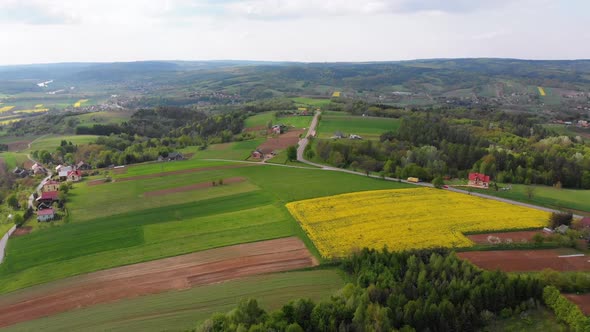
<point x="50" y="185"/>
<point x="479" y="180"/>
<point x="74" y="176"/>
<point x="45" y="215"/>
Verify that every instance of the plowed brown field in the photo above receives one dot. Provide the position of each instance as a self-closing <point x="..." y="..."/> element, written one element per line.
<point x="526" y="260"/>
<point x="173" y="273"/>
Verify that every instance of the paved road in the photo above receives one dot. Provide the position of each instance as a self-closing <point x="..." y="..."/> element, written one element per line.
<point x="304" y="141"/>
<point x="4" y="241"/>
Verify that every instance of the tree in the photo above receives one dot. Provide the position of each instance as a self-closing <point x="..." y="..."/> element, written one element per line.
<point x="18" y="220"/>
<point x="560" y="218"/>
<point x="12" y="201"/>
<point x="64" y="188"/>
<point x="438" y="182"/>
<point x="292" y="153"/>
<point x="62" y="196"/>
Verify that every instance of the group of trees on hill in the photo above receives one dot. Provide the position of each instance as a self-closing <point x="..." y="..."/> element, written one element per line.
<point x="429" y="290"/>
<point x="510" y="148"/>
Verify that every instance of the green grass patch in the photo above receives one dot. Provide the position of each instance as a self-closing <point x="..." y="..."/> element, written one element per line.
<point x="13" y="159"/>
<point x="50" y="143"/>
<point x="183" y="310"/>
<point x="546" y="196"/>
<point x="296" y="121"/>
<point x="103" y="117"/>
<point x="541" y="319"/>
<point x="161" y="167"/>
<point x="317" y="102"/>
<point x="367" y="127"/>
<point x="260" y="119"/>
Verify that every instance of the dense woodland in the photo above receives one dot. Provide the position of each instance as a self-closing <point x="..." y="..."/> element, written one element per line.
<point x="429" y="290"/>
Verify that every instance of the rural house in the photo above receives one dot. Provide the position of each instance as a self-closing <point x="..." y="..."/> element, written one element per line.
<point x="37" y="169"/>
<point x="278" y="129"/>
<point x="479" y="180"/>
<point x="172" y="156"/>
<point x="83" y="166"/>
<point x="257" y="154"/>
<point x="48" y="197"/>
<point x="63" y="172"/>
<point x="50" y="186"/>
<point x="21" y="173"/>
<point x="74" y="176"/>
<point x="45" y="215"/>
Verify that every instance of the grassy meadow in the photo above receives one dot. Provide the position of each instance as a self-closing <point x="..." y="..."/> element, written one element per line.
<point x="233" y="150"/>
<point x="367" y="127"/>
<point x="114" y="224"/>
<point x="103" y="117"/>
<point x="183" y="310"/>
<point x="50" y="143"/>
<point x="315" y="102"/>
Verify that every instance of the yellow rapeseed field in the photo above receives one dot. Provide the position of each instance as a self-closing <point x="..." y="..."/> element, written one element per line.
<point x="38" y="110"/>
<point x="336" y="94"/>
<point x="80" y="102"/>
<point x="405" y="219"/>
<point x="541" y="91"/>
<point x="6" y="109"/>
<point x="38" y="105"/>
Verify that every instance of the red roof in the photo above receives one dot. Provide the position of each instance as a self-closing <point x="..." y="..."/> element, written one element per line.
<point x="479" y="177"/>
<point x="51" y="182"/>
<point x="76" y="172"/>
<point x="45" y="212"/>
<point x="585" y="222"/>
<point x="52" y="195"/>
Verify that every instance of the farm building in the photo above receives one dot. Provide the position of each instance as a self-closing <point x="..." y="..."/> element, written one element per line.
<point x="479" y="180"/>
<point x="50" y="186"/>
<point x="278" y="129"/>
<point x="48" y="196"/>
<point x="83" y="166"/>
<point x="257" y="154"/>
<point x="63" y="172"/>
<point x="45" y="215"/>
<point x="37" y="169"/>
<point x="354" y="136"/>
<point x="172" y="156"/>
<point x="74" y="176"/>
<point x="21" y="173"/>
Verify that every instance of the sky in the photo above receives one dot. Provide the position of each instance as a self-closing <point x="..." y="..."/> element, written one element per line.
<point x="47" y="31"/>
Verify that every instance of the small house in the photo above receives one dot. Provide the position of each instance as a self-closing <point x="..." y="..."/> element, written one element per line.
<point x="479" y="180"/>
<point x="50" y="186"/>
<point x="257" y="154"/>
<point x="20" y="172"/>
<point x="278" y="129"/>
<point x="74" y="176"/>
<point x="354" y="136"/>
<point x="63" y="172"/>
<point x="83" y="166"/>
<point x="45" y="215"/>
<point x="175" y="156"/>
<point x="37" y="169"/>
<point x="48" y="197"/>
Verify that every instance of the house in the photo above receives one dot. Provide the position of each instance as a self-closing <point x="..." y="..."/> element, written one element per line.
<point x="257" y="154"/>
<point x="175" y="156"/>
<point x="83" y="166"/>
<point x="63" y="172"/>
<point x="21" y="173"/>
<point x="74" y="176"/>
<point x="338" y="135"/>
<point x="278" y="129"/>
<point x="50" y="186"/>
<point x="479" y="180"/>
<point x="37" y="169"/>
<point x="584" y="223"/>
<point x="45" y="215"/>
<point x="353" y="136"/>
<point x="48" y="197"/>
<point x="562" y="229"/>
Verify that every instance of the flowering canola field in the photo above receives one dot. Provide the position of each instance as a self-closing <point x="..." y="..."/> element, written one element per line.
<point x="405" y="219"/>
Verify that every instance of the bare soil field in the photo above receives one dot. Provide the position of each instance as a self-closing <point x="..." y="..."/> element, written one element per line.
<point x="282" y="141"/>
<point x="180" y="272"/>
<point x="22" y="231"/>
<point x="184" y="171"/>
<point x="96" y="182"/>
<point x="582" y="301"/>
<point x="191" y="187"/>
<point x="526" y="260"/>
<point x="255" y="128"/>
<point x="18" y="146"/>
<point x="514" y="237"/>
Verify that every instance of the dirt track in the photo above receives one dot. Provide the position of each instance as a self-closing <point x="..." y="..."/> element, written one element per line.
<point x="526" y="260"/>
<point x="173" y="273"/>
<point x="190" y="187"/>
<point x="515" y="237"/>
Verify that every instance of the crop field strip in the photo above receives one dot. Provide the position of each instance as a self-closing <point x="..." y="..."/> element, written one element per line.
<point x="102" y="233"/>
<point x="367" y="127"/>
<point x="411" y="218"/>
<point x="157" y="276"/>
<point x="181" y="310"/>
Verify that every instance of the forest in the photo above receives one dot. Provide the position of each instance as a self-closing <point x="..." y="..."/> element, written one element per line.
<point x="430" y="290"/>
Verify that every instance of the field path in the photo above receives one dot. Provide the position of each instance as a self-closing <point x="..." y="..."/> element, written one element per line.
<point x="4" y="241"/>
<point x="180" y="272"/>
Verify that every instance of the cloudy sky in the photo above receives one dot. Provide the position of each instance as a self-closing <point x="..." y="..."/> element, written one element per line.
<point x="42" y="31"/>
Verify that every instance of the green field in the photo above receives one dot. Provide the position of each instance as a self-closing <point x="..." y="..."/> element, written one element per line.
<point x="103" y="232"/>
<point x="104" y="117"/>
<point x="295" y="121"/>
<point x="233" y="150"/>
<point x="316" y="102"/>
<point x="367" y="127"/>
<point x="546" y="196"/>
<point x="183" y="310"/>
<point x="50" y="143"/>
<point x="260" y="119"/>
<point x="13" y="159"/>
